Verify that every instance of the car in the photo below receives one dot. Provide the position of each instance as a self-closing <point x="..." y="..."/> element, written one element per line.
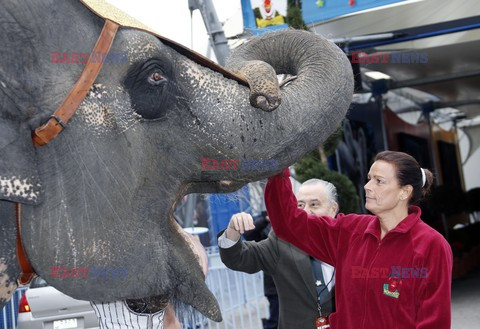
<point x="44" y="307"/>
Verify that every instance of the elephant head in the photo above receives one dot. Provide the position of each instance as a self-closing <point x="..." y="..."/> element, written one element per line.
<point x="103" y="192"/>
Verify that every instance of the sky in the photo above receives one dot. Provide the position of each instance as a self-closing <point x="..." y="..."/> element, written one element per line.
<point x="172" y="19"/>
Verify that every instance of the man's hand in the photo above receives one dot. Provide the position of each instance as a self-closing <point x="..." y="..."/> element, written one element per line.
<point x="239" y="224"/>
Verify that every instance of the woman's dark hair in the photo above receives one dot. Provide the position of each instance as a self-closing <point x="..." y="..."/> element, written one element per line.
<point x="408" y="172"/>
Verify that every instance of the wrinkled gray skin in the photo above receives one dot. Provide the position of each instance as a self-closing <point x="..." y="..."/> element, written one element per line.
<point x="101" y="194"/>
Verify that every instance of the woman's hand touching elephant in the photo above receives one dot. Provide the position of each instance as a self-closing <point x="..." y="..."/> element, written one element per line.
<point x="239" y="224"/>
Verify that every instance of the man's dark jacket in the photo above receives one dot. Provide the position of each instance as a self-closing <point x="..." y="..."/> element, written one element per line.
<point x="291" y="270"/>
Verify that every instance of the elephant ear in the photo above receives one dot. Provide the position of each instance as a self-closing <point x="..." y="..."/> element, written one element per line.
<point x="9" y="268"/>
<point x="19" y="179"/>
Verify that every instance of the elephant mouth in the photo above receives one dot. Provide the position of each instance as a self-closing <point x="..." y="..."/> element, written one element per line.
<point x="148" y="305"/>
<point x="192" y="290"/>
<point x="211" y="186"/>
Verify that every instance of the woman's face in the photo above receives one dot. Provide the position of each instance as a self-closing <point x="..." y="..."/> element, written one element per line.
<point x="382" y="191"/>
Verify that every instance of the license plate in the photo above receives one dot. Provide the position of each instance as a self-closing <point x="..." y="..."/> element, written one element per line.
<point x="65" y="324"/>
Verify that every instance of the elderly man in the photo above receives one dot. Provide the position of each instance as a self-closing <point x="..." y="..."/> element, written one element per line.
<point x="304" y="285"/>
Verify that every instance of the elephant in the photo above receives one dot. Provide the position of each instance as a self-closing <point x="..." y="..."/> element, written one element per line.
<point x="103" y="192"/>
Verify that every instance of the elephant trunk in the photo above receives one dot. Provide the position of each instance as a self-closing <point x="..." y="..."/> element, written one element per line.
<point x="312" y="105"/>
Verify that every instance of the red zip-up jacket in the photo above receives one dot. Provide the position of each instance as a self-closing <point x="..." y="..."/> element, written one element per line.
<point x="402" y="281"/>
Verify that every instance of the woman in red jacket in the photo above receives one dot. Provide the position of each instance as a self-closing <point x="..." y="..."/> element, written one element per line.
<point x="393" y="270"/>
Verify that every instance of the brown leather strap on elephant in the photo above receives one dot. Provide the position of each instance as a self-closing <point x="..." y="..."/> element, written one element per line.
<point x="58" y="120"/>
<point x="27" y="274"/>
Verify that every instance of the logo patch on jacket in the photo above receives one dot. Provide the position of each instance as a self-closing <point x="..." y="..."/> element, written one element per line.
<point x="391" y="288"/>
<point x="387" y="292"/>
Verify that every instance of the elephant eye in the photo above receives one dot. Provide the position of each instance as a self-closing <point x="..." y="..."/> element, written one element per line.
<point x="152" y="93"/>
<point x="155" y="79"/>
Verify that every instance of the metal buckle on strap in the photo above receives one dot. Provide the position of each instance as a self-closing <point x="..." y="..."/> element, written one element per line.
<point x="48" y="131"/>
<point x="60" y="122"/>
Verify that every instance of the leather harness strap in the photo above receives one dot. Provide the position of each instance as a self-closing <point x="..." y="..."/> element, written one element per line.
<point x="58" y="120"/>
<point x="27" y="274"/>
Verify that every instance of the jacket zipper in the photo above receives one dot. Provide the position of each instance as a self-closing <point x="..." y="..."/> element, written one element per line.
<point x="366" y="284"/>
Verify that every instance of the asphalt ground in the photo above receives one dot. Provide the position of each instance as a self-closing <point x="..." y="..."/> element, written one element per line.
<point x="466" y="302"/>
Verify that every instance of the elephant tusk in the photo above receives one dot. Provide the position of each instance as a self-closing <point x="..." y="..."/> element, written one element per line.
<point x="287" y="80"/>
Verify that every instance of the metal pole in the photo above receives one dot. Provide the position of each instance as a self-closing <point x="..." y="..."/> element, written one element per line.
<point x="218" y="40"/>
<point x="361" y="38"/>
<point x="381" y="108"/>
<point x="434" y="79"/>
<point x="385" y="85"/>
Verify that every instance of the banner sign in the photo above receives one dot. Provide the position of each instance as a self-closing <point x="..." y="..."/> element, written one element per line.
<point x="260" y="16"/>
<point x="319" y="10"/>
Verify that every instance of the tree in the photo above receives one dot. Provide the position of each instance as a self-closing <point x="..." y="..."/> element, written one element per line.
<point x="311" y="167"/>
<point x="294" y="15"/>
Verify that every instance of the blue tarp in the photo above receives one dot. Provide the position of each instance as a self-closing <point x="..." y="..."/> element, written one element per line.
<point x="223" y="206"/>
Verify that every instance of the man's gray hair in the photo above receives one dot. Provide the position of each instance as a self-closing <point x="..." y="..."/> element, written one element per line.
<point x="331" y="189"/>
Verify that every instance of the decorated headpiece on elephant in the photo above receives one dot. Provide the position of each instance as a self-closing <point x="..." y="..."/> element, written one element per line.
<point x="103" y="191"/>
